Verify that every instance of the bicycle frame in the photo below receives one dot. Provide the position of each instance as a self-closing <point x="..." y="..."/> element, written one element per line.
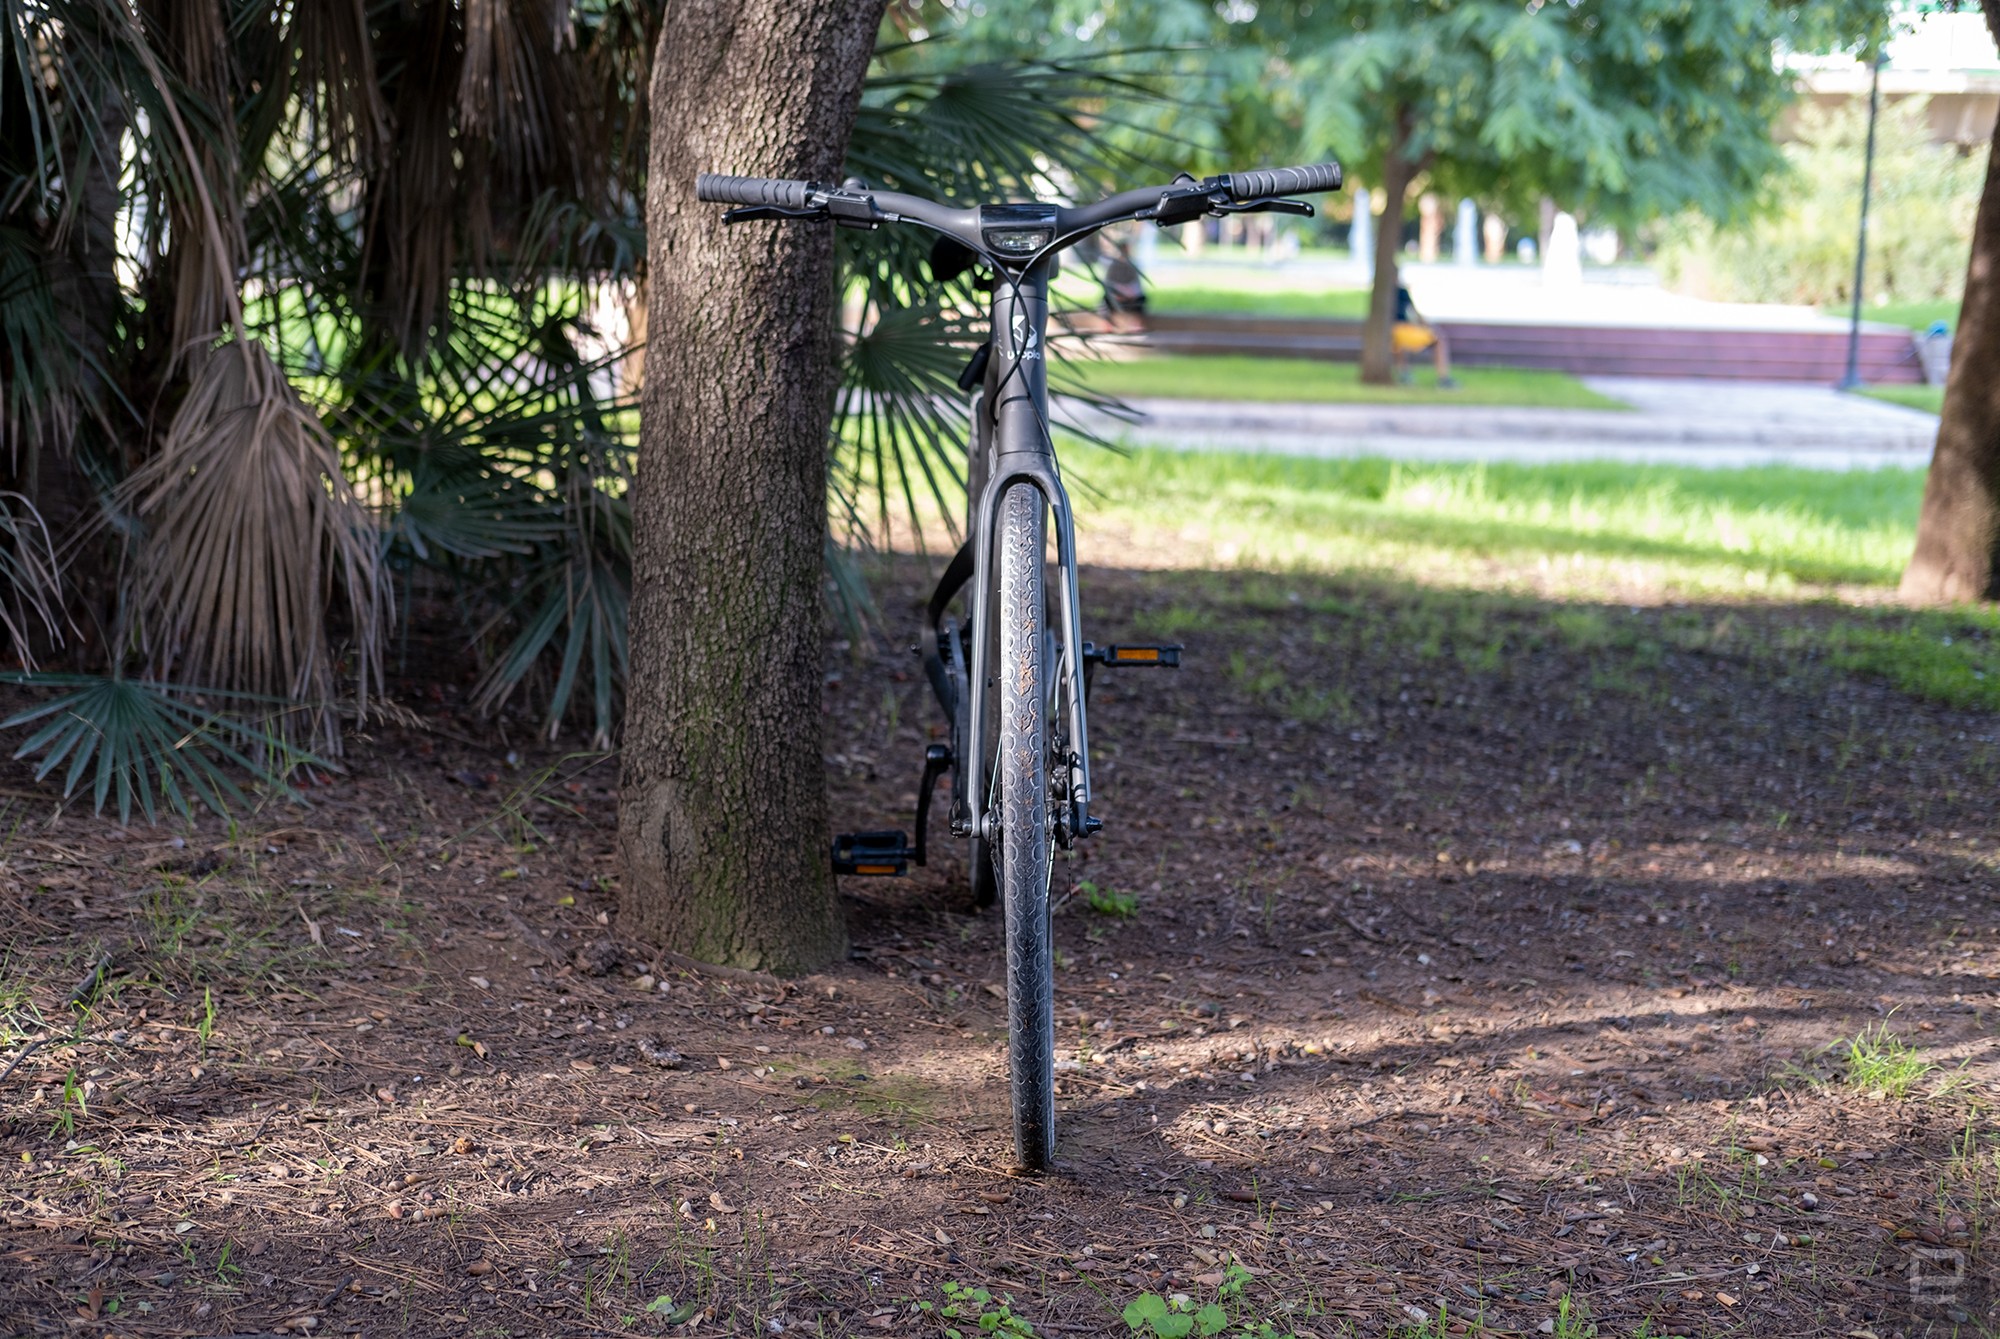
<point x="1018" y="242"/>
<point x="1023" y="452"/>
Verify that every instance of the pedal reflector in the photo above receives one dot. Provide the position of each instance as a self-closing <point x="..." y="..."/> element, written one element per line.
<point x="1115" y="657"/>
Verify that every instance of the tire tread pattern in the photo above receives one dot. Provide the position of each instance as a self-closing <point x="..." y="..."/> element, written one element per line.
<point x="1024" y="853"/>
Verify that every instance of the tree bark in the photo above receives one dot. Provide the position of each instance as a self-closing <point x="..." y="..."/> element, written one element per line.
<point x="1958" y="530"/>
<point x="723" y="815"/>
<point x="1377" y="367"/>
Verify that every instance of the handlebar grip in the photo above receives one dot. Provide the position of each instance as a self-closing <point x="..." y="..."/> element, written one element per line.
<point x="1283" y="181"/>
<point x="719" y="189"/>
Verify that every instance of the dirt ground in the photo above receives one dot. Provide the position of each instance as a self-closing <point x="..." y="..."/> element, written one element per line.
<point x="1451" y="963"/>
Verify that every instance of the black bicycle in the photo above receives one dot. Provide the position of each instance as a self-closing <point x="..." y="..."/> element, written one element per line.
<point x="1011" y="673"/>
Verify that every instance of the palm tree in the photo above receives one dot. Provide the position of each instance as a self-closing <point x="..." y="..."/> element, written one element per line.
<point x="317" y="315"/>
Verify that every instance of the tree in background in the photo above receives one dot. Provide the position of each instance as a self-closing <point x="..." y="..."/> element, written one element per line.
<point x="1923" y="200"/>
<point x="1624" y="110"/>
<point x="1957" y="556"/>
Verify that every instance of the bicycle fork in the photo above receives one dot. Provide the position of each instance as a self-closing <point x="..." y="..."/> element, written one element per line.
<point x="1024" y="453"/>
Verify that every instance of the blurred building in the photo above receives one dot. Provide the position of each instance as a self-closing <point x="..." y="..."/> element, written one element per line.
<point x="1948" y="58"/>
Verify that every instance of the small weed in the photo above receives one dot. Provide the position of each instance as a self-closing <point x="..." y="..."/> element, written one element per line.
<point x="670" y="1311"/>
<point x="1573" y="1318"/>
<point x="1176" y="1316"/>
<point x="205" y="1028"/>
<point x="1108" y="902"/>
<point x="979" y="1311"/>
<point x="1880" y="1061"/>
<point x="72" y="1107"/>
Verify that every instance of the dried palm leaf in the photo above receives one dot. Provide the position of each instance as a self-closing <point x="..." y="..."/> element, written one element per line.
<point x="30" y="577"/>
<point x="337" y="78"/>
<point x="249" y="533"/>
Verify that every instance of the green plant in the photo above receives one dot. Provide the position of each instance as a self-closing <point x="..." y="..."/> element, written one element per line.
<point x="1173" y="1317"/>
<point x="977" y="1309"/>
<point x="1573" y="1318"/>
<point x="152" y="742"/>
<point x="204" y="1027"/>
<point x="1920" y="221"/>
<point x="672" y="1313"/>
<point x="1108" y="902"/>
<point x="71" y="1109"/>
<point x="1880" y="1061"/>
<point x="1177" y="1315"/>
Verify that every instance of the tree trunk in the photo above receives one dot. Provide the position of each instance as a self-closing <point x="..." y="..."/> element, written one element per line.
<point x="1377" y="367"/>
<point x="1958" y="529"/>
<point x="722" y="816"/>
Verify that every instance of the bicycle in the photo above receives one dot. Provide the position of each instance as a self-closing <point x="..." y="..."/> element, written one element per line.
<point x="1013" y="677"/>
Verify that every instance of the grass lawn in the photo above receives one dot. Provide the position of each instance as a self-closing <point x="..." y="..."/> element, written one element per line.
<point x="1581" y="536"/>
<point x="1915" y="315"/>
<point x="1930" y="399"/>
<point x="1350" y="304"/>
<point x="1311" y="381"/>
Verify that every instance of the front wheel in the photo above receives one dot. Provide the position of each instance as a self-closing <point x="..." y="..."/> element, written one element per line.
<point x="1023" y="854"/>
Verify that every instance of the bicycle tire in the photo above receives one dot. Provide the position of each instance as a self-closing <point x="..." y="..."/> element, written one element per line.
<point x="1024" y="853"/>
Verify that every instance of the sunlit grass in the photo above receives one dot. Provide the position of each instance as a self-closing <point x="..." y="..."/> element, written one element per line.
<point x="1915" y="315"/>
<point x="1578" y="529"/>
<point x="1346" y="304"/>
<point x="1880" y="1061"/>
<point x="1930" y="399"/>
<point x="1582" y="535"/>
<point x="1314" y="381"/>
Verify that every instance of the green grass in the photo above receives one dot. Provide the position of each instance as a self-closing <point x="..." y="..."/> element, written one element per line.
<point x="1306" y="380"/>
<point x="1915" y="315"/>
<point x="1570" y="529"/>
<point x="1946" y="655"/>
<point x="1930" y="399"/>
<point x="1349" y="304"/>
<point x="1880" y="1061"/>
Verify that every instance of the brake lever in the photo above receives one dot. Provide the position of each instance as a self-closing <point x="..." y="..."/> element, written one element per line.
<point x="751" y="213"/>
<point x="1273" y="206"/>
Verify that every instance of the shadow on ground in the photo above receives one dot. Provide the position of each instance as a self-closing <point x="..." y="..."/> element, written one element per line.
<point x="1483" y="952"/>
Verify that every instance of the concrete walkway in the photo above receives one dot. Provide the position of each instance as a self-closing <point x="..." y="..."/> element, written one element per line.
<point x="1720" y="425"/>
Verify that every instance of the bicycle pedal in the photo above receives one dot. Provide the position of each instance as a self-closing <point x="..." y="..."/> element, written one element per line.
<point x="884" y="855"/>
<point x="1133" y="657"/>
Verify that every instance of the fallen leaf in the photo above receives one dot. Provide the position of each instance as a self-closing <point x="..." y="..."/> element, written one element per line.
<point x="1725" y="1299"/>
<point x="480" y="1268"/>
<point x="717" y="1203"/>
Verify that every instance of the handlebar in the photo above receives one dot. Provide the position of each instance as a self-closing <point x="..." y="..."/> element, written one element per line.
<point x="1283" y="181"/>
<point x="1180" y="202"/>
<point x="775" y="192"/>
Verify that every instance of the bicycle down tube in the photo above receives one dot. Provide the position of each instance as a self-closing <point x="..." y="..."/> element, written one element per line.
<point x="1024" y="452"/>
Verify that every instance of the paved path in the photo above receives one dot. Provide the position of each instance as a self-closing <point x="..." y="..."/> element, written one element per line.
<point x="1725" y="424"/>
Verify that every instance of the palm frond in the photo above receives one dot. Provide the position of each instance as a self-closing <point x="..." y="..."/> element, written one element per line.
<point x="130" y="739"/>
<point x="249" y="531"/>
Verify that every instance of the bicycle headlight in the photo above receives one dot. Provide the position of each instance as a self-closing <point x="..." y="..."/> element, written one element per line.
<point x="1017" y="230"/>
<point x="1017" y="241"/>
